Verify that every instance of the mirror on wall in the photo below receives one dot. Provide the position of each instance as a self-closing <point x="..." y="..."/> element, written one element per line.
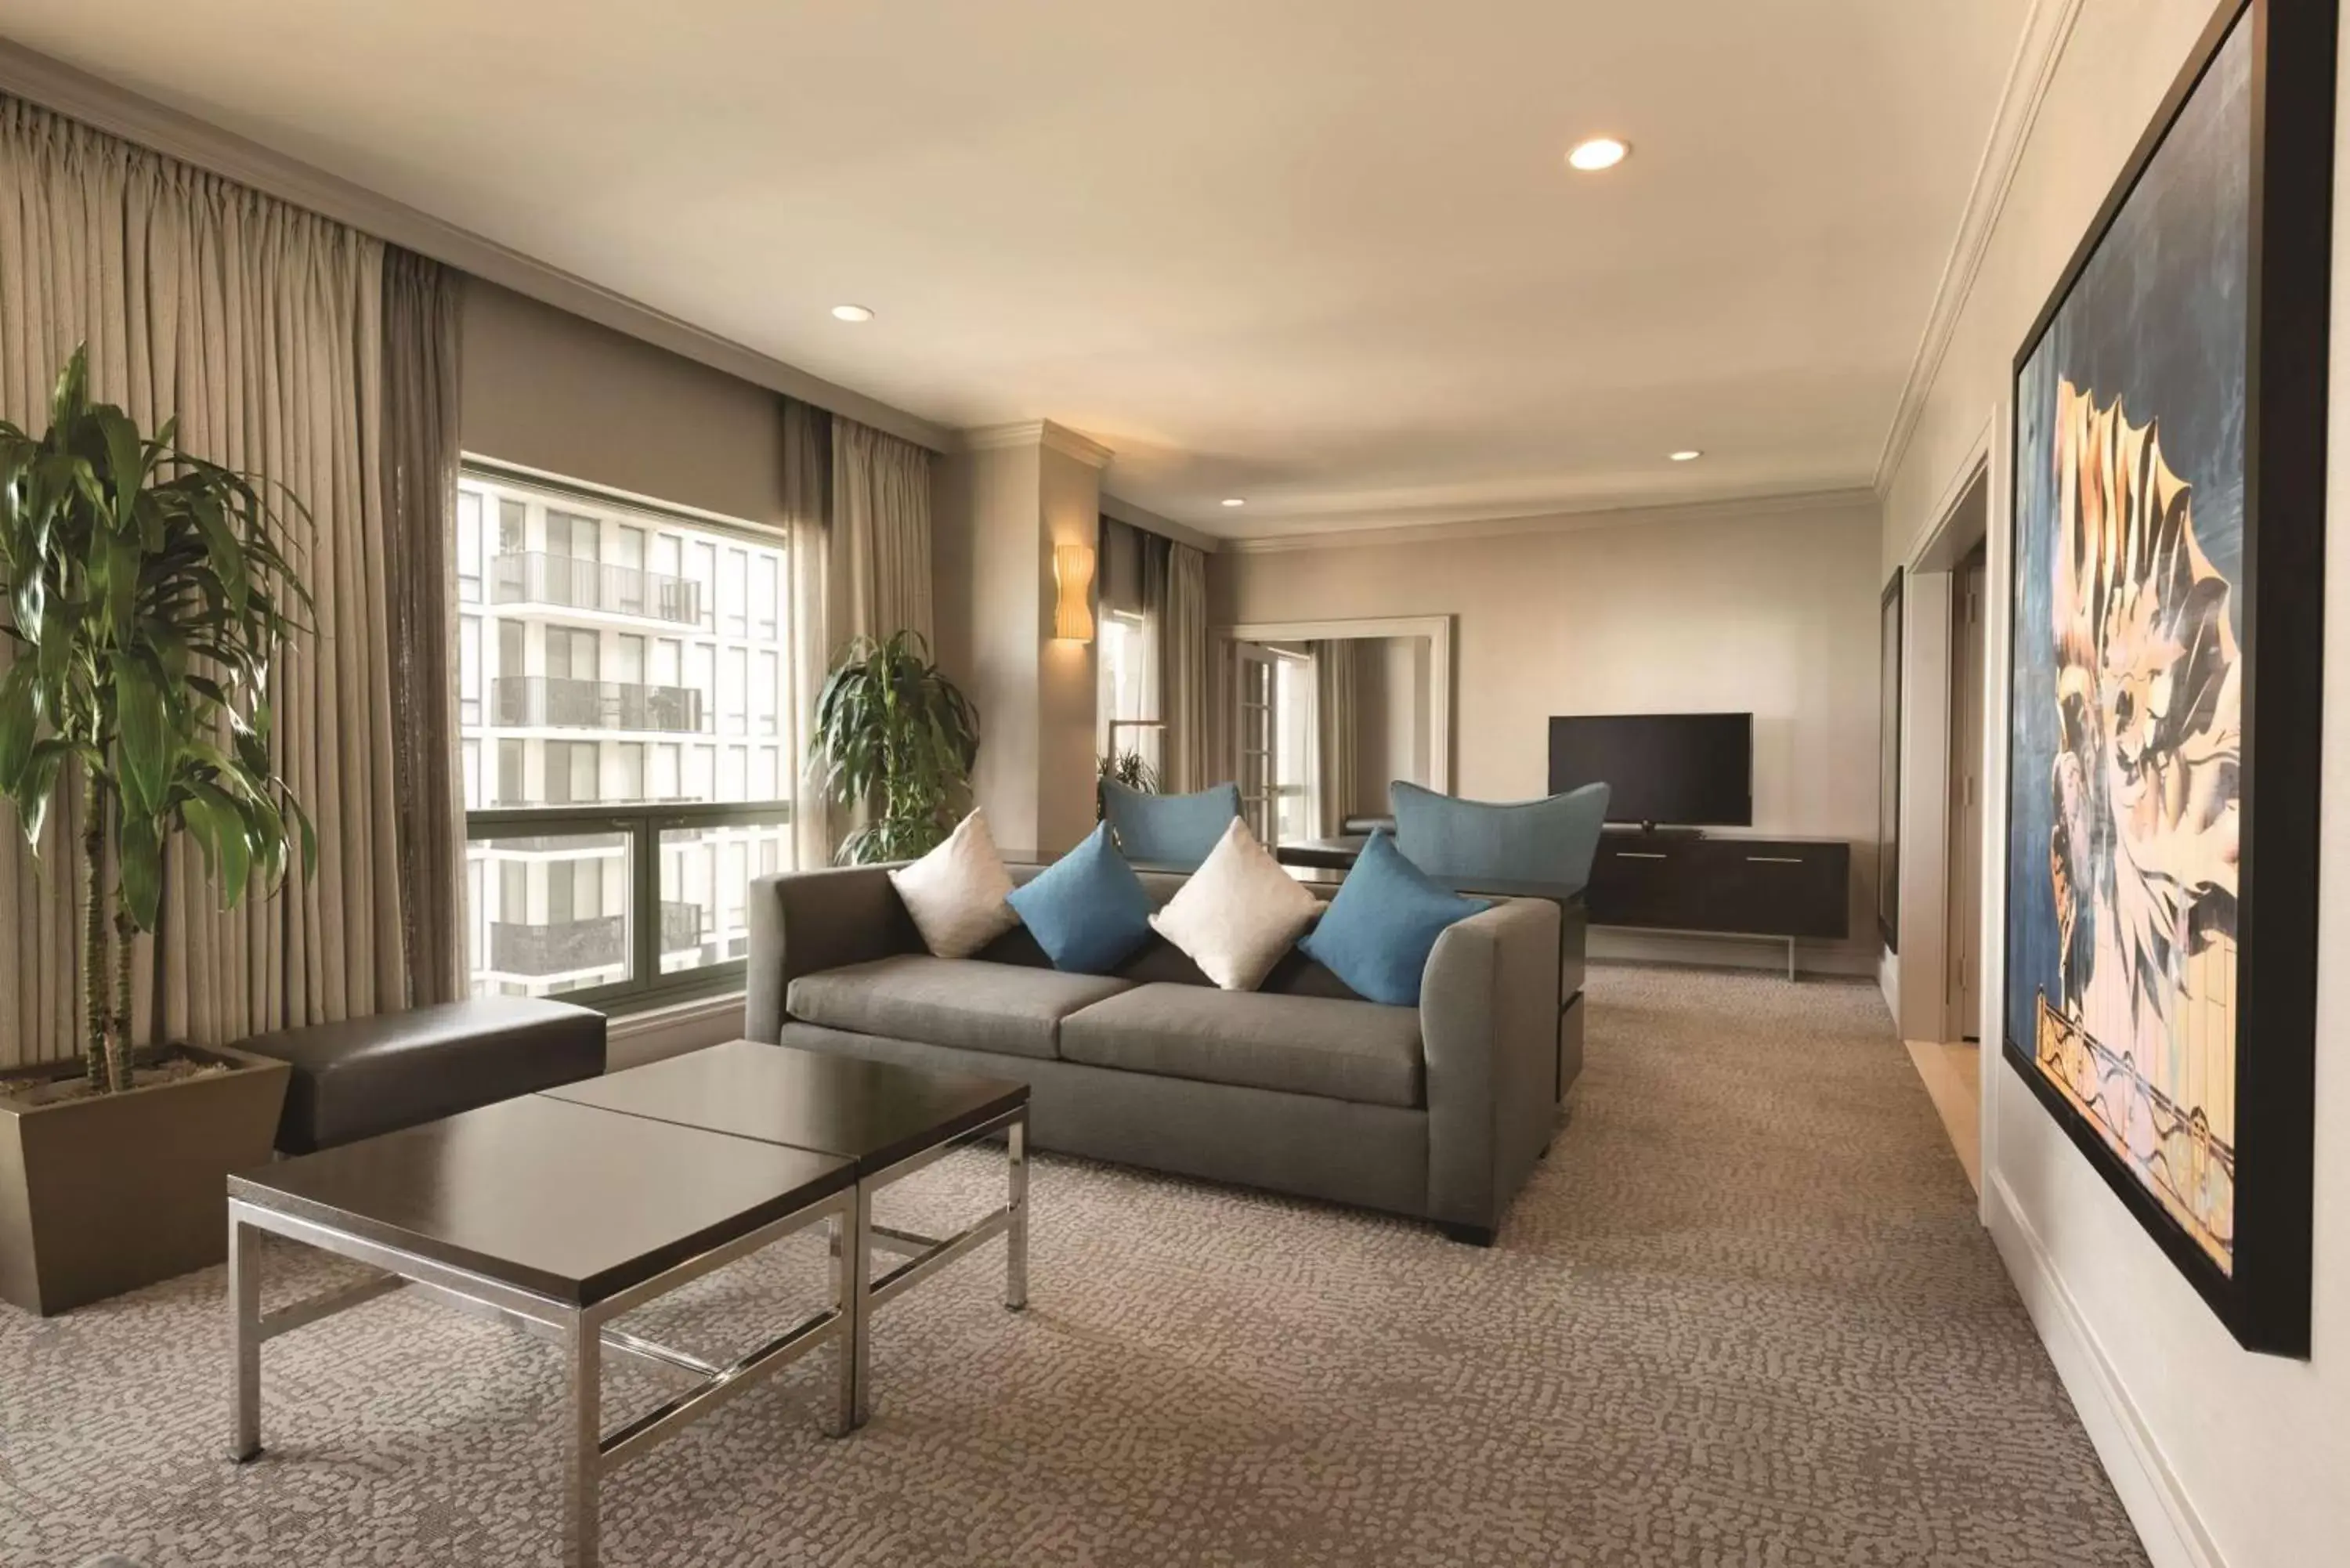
<point x="1319" y="719"/>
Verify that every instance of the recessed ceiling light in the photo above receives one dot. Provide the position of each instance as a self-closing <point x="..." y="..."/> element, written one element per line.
<point x="1689" y="455"/>
<point x="1236" y="501"/>
<point x="851" y="313"/>
<point x="1599" y="152"/>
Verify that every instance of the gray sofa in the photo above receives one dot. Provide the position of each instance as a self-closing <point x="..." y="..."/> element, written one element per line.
<point x="1438" y="1112"/>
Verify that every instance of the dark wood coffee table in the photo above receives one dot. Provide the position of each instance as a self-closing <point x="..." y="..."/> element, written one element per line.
<point x="559" y="1216"/>
<point x="887" y="1120"/>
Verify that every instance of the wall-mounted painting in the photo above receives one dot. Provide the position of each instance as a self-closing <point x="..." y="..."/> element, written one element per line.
<point x="2163" y="764"/>
<point x="1889" y="765"/>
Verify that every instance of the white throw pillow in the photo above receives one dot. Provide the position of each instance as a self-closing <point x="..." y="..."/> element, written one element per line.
<point x="1238" y="912"/>
<point x="956" y="893"/>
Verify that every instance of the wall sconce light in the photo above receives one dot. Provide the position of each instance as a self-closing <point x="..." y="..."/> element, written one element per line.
<point x="1073" y="609"/>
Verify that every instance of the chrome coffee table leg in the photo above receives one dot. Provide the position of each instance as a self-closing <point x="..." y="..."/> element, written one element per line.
<point x="1015" y="1244"/>
<point x="583" y="1440"/>
<point x="244" y="1338"/>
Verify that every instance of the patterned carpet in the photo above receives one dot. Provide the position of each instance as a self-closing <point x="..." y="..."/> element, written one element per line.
<point x="1745" y="1315"/>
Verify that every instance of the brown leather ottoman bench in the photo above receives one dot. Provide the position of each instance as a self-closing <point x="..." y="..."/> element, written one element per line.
<point x="369" y="1076"/>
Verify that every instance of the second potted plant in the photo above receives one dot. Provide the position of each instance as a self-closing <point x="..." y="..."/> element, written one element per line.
<point x="896" y="735"/>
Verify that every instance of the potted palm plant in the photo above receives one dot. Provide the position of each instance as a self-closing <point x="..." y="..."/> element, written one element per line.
<point x="1130" y="768"/>
<point x="148" y="595"/>
<point x="895" y="736"/>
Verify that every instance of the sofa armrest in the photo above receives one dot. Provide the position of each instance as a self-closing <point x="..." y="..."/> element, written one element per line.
<point x="1489" y="1031"/>
<point x="803" y="921"/>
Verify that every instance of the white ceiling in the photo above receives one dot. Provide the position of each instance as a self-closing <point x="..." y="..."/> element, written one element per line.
<point x="1323" y="254"/>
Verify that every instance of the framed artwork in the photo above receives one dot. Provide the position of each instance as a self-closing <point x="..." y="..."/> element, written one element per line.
<point x="2169" y="520"/>
<point x="1889" y="765"/>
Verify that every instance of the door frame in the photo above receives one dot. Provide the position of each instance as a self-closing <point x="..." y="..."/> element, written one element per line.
<point x="1985" y="464"/>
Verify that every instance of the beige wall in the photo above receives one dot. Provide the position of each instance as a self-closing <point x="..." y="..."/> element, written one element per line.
<point x="1067" y="692"/>
<point x="1774" y="613"/>
<point x="549" y="390"/>
<point x="997" y="514"/>
<point x="2225" y="1459"/>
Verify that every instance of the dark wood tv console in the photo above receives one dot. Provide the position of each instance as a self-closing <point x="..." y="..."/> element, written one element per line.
<point x="1718" y="885"/>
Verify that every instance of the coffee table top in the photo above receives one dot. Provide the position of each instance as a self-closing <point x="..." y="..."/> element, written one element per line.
<point x="872" y="1113"/>
<point x="561" y="1199"/>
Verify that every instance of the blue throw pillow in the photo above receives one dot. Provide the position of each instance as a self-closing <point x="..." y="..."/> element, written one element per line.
<point x="1177" y="830"/>
<point x="1087" y="909"/>
<point x="1383" y="924"/>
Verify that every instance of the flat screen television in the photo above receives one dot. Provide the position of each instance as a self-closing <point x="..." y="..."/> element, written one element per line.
<point x="1692" y="770"/>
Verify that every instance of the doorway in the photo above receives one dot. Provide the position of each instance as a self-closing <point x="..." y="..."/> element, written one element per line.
<point x="1946" y="672"/>
<point x="1969" y="669"/>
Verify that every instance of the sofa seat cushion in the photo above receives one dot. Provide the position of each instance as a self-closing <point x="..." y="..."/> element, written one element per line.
<point x="1354" y="1051"/>
<point x="1009" y="1009"/>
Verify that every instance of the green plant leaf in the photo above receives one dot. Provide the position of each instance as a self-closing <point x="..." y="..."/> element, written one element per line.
<point x="227" y="555"/>
<point x="37" y="786"/>
<point x="233" y="833"/>
<point x="138" y="855"/>
<point x="143" y="716"/>
<point x="20" y="722"/>
<point x="125" y="459"/>
<point x="72" y="393"/>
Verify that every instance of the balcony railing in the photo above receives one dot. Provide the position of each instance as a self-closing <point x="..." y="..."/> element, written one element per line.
<point x="533" y="577"/>
<point x="600" y="942"/>
<point x="553" y="703"/>
<point x="681" y="926"/>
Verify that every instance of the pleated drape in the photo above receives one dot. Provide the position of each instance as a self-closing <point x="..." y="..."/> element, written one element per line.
<point x="1335" y="733"/>
<point x="1183" y="670"/>
<point x="807" y="519"/>
<point x="421" y="343"/>
<point x="260" y="326"/>
<point x="879" y="561"/>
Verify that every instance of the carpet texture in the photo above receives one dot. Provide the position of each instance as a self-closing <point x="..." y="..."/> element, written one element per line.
<point x="1743" y="1315"/>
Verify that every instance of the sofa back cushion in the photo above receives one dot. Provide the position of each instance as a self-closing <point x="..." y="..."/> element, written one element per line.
<point x="1170" y="829"/>
<point x="1548" y="840"/>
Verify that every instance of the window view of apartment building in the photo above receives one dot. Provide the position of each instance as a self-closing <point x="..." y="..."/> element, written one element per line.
<point x="622" y="673"/>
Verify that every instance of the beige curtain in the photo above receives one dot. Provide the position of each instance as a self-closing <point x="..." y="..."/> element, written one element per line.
<point x="1133" y="582"/>
<point x="420" y="448"/>
<point x="260" y="326"/>
<point x="1183" y="672"/>
<point x="807" y="499"/>
<point x="1334" y="733"/>
<point x="880" y="564"/>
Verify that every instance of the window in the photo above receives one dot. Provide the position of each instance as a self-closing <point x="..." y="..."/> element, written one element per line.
<point x="702" y="675"/>
<point x="766" y="692"/>
<point x="766" y="594"/>
<point x="469" y="671"/>
<point x="628" y="581"/>
<point x="734" y="689"/>
<point x="1273" y="728"/>
<point x="701" y="569"/>
<point x="611" y="846"/>
<point x="733" y="590"/>
<point x="469" y="549"/>
<point x="1128" y="707"/>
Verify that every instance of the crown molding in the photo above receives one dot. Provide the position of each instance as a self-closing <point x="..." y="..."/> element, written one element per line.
<point x="1150" y="521"/>
<point x="2029" y="74"/>
<point x="119" y="111"/>
<point x="1717" y="510"/>
<point x="1036" y="432"/>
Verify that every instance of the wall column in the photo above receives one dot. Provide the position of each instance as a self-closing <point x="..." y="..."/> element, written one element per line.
<point x="1002" y="502"/>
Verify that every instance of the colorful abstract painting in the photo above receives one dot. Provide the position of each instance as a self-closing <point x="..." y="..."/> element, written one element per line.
<point x="2126" y="709"/>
